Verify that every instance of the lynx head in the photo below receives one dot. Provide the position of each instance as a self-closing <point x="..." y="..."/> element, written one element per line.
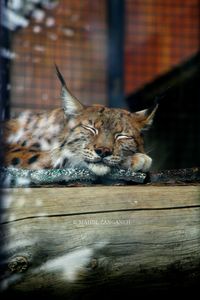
<point x="100" y="138"/>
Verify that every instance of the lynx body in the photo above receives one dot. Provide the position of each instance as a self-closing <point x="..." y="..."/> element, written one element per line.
<point x="95" y="137"/>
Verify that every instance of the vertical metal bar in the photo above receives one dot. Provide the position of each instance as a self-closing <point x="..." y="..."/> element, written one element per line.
<point x="4" y="68"/>
<point x="116" y="53"/>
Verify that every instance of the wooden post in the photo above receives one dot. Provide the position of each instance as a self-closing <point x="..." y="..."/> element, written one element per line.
<point x="99" y="240"/>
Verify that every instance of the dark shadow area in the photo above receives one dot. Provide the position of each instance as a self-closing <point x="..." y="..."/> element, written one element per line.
<point x="173" y="141"/>
<point x="109" y="293"/>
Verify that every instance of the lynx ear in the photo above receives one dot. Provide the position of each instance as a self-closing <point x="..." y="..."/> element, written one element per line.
<point x="71" y="104"/>
<point x="145" y="117"/>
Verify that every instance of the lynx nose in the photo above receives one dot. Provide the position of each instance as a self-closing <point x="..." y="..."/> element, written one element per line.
<point x="103" y="151"/>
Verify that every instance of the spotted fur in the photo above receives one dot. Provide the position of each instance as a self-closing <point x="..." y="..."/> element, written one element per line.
<point x="95" y="137"/>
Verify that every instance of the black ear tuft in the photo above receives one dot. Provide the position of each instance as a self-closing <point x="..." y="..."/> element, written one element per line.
<point x="151" y="110"/>
<point x="60" y="77"/>
<point x="145" y="117"/>
<point x="70" y="103"/>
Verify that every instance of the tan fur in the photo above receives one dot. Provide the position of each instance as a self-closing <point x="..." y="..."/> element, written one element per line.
<point x="95" y="137"/>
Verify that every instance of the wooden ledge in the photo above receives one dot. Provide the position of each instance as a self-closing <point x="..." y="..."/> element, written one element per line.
<point x="72" y="241"/>
<point x="30" y="202"/>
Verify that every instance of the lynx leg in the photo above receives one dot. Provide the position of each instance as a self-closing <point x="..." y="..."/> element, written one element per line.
<point x="141" y="162"/>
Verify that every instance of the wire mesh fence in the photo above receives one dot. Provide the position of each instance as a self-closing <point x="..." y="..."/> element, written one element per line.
<point x="159" y="36"/>
<point x="72" y="34"/>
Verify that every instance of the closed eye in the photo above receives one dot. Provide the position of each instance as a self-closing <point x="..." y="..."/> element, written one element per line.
<point x="123" y="136"/>
<point x="90" y="128"/>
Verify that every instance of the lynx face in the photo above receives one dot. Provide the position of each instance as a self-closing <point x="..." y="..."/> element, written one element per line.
<point x="101" y="138"/>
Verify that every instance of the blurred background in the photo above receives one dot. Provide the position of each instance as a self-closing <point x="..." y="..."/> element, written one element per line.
<point x="120" y="53"/>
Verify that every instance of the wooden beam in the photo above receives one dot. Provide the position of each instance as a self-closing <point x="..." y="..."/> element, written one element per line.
<point x="82" y="241"/>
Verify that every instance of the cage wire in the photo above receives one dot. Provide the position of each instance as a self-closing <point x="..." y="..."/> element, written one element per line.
<point x="71" y="34"/>
<point x="160" y="35"/>
<point x="162" y="44"/>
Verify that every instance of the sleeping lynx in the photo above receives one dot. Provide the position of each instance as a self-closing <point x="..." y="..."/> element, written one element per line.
<point x="94" y="137"/>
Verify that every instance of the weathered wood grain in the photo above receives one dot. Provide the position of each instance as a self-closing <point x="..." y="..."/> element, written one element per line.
<point x="81" y="241"/>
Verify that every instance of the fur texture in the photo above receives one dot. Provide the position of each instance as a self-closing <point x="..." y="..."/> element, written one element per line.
<point x="95" y="137"/>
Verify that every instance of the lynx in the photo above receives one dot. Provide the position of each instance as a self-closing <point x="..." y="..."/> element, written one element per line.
<point x="94" y="137"/>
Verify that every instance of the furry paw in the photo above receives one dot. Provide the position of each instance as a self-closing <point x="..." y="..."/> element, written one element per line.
<point x="141" y="162"/>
